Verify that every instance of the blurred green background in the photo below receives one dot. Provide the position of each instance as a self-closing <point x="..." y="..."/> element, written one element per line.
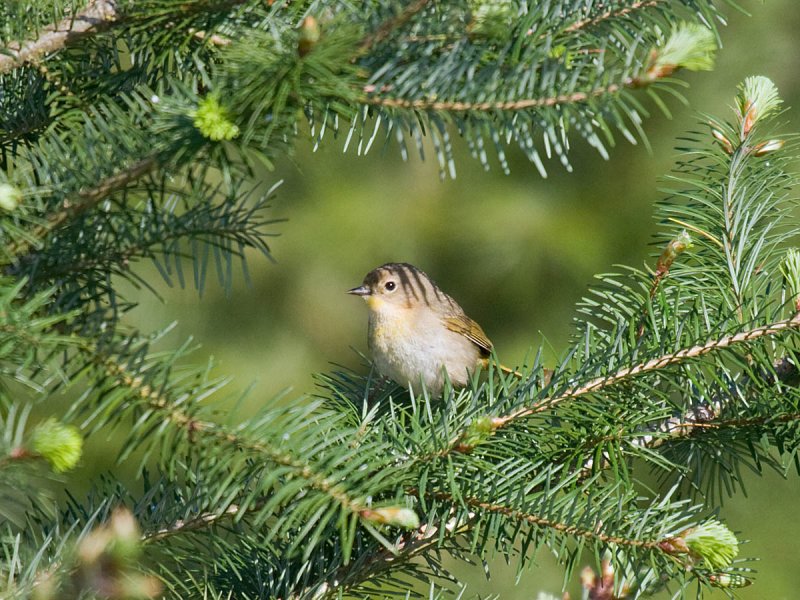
<point x="516" y="251"/>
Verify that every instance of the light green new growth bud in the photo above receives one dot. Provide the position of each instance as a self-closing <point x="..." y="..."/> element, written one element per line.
<point x="790" y="268"/>
<point x="729" y="580"/>
<point x="58" y="444"/>
<point x="712" y="542"/>
<point x="757" y="99"/>
<point x="690" y="46"/>
<point x="10" y="197"/>
<point x="492" y="18"/>
<point x="477" y="432"/>
<point x="399" y="516"/>
<point x="682" y="242"/>
<point x="561" y="52"/>
<point x="211" y="119"/>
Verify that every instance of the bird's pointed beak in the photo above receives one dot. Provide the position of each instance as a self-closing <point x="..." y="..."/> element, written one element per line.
<point x="361" y="290"/>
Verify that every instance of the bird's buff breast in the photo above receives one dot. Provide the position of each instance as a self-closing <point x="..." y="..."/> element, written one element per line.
<point x="412" y="347"/>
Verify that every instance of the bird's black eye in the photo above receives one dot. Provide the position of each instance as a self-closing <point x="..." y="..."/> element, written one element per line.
<point x="389" y="286"/>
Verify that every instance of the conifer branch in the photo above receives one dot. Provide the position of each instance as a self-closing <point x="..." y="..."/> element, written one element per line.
<point x="532" y="519"/>
<point x="414" y="543"/>
<point x="696" y="419"/>
<point x="90" y="197"/>
<point x="599" y="383"/>
<point x="97" y="16"/>
<point x="510" y="105"/>
<point x="687" y="428"/>
<point x="159" y="400"/>
<point x="729" y="230"/>
<point x="140" y="249"/>
<point x="183" y="525"/>
<point x="87" y="199"/>
<point x="653" y="365"/>
<point x="612" y="14"/>
<point x="409" y="546"/>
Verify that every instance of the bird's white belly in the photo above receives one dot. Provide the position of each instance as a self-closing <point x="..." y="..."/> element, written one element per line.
<point x="413" y="351"/>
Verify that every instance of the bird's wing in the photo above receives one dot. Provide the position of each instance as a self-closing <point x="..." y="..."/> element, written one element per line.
<point x="469" y="329"/>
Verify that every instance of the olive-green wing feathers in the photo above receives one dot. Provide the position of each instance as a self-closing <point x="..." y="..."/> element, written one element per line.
<point x="471" y="330"/>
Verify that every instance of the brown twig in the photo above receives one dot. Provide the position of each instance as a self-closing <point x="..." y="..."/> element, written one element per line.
<point x="184" y="525"/>
<point x="526" y="103"/>
<point x="157" y="399"/>
<point x="98" y="15"/>
<point x="538" y="521"/>
<point x="610" y="14"/>
<point x="653" y="365"/>
<point x="599" y="383"/>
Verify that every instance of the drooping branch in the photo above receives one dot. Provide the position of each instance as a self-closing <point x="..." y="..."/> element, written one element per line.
<point x="86" y="200"/>
<point x="159" y="400"/>
<point x="539" y="521"/>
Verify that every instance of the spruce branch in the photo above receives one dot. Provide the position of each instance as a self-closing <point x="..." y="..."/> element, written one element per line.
<point x="613" y="14"/>
<point x="598" y="384"/>
<point x="654" y="364"/>
<point x="510" y="105"/>
<point x="689" y="46"/>
<point x="161" y="401"/>
<point x="347" y="577"/>
<point x="96" y="17"/>
<point x="687" y="428"/>
<point x="193" y="524"/>
<point x="539" y="521"/>
<point x="86" y="200"/>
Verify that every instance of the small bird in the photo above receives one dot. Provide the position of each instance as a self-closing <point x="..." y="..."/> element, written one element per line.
<point x="417" y="333"/>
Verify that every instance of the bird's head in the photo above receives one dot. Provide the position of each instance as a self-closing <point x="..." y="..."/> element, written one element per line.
<point x="397" y="285"/>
